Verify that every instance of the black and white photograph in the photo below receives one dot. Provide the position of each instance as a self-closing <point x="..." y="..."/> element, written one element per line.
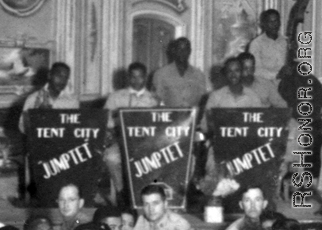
<point x="160" y="115"/>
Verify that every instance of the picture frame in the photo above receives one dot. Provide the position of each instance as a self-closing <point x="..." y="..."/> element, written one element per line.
<point x="22" y="67"/>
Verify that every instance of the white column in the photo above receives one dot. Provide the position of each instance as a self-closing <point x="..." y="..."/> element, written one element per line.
<point x="66" y="36"/>
<point x="270" y="4"/>
<point x="197" y="34"/>
<point x="112" y="41"/>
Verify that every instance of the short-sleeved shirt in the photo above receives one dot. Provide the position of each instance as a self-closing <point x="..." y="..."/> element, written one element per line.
<point x="64" y="100"/>
<point x="269" y="55"/>
<point x="170" y="221"/>
<point x="128" y="98"/>
<point x="267" y="93"/>
<point x="179" y="91"/>
<point x="224" y="98"/>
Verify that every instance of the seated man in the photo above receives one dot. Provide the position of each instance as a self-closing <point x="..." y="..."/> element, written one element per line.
<point x="234" y="95"/>
<point x="52" y="95"/>
<point x="110" y="216"/>
<point x="156" y="213"/>
<point x="136" y="95"/>
<point x="70" y="203"/>
<point x="265" y="89"/>
<point x="253" y="203"/>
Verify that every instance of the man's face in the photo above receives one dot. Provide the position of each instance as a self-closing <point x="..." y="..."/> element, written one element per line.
<point x="113" y="222"/>
<point x="69" y="202"/>
<point x="248" y="70"/>
<point x="137" y="79"/>
<point x="253" y="203"/>
<point x="58" y="80"/>
<point x="127" y="221"/>
<point x="233" y="73"/>
<point x="272" y="25"/>
<point x="154" y="207"/>
<point x="182" y="52"/>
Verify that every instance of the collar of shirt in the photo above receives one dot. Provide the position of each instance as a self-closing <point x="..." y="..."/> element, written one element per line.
<point x="162" y="223"/>
<point x="136" y="92"/>
<point x="279" y="38"/>
<point x="175" y="68"/>
<point x="229" y="92"/>
<point x="62" y="93"/>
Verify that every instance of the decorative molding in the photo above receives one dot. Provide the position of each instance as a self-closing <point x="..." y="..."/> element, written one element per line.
<point x="22" y="8"/>
<point x="178" y="6"/>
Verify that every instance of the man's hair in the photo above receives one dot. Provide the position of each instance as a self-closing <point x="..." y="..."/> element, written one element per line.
<point x="230" y="60"/>
<point x="72" y="184"/>
<point x="131" y="212"/>
<point x="153" y="189"/>
<point x="105" y="212"/>
<point x="265" y="14"/>
<point x="286" y="224"/>
<point x="246" y="56"/>
<point x="137" y="66"/>
<point x="181" y="40"/>
<point x="271" y="215"/>
<point x="249" y="187"/>
<point x="33" y="222"/>
<point x="58" y="66"/>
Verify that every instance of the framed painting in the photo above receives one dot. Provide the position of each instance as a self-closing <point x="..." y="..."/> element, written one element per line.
<point x="22" y="68"/>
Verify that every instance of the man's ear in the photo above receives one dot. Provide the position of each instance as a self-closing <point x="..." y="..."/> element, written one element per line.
<point x="241" y="205"/>
<point x="81" y="203"/>
<point x="265" y="204"/>
<point x="166" y="203"/>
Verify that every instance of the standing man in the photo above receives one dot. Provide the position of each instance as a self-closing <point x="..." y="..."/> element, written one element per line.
<point x="270" y="47"/>
<point x="253" y="203"/>
<point x="70" y="203"/>
<point x="179" y="84"/>
<point x="156" y="213"/>
<point x="266" y="91"/>
<point x="51" y="96"/>
<point x="136" y="95"/>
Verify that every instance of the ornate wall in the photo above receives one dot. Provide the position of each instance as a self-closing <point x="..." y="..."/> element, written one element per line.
<point x="95" y="37"/>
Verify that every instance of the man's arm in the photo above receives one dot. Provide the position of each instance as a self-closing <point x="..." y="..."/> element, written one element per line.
<point x="158" y="85"/>
<point x="274" y="96"/>
<point x="29" y="104"/>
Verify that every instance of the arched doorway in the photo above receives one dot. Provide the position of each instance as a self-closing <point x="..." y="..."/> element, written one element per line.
<point x="150" y="41"/>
